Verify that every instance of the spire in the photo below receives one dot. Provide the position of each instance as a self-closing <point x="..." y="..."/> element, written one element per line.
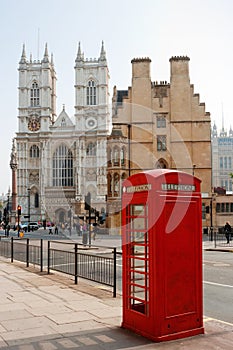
<point x="79" y="57"/>
<point x="46" y="55"/>
<point x="52" y="61"/>
<point x="214" y="130"/>
<point x="230" y="132"/>
<point x="23" y="56"/>
<point x="222" y="119"/>
<point x="102" y="53"/>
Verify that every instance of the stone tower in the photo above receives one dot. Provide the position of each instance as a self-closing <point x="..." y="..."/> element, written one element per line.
<point x="92" y="124"/>
<point x="61" y="159"/>
<point x="36" y="115"/>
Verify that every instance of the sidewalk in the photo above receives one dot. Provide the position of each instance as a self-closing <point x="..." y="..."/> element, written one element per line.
<point x="48" y="312"/>
<point x="221" y="247"/>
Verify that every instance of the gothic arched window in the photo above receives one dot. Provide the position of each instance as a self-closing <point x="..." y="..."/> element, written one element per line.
<point x="35" y="95"/>
<point x="116" y="184"/>
<point x="91" y="93"/>
<point x="63" y="122"/>
<point x="110" y="185"/>
<point x="123" y="156"/>
<point x="62" y="167"/>
<point x="36" y="200"/>
<point x="161" y="164"/>
<point x="116" y="156"/>
<point x="109" y="157"/>
<point x="91" y="149"/>
<point x="34" y="151"/>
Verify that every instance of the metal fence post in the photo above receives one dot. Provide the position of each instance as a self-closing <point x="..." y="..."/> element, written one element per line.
<point x="27" y="253"/>
<point x="76" y="263"/>
<point x="12" y="249"/>
<point x="114" y="272"/>
<point x="41" y="255"/>
<point x="48" y="256"/>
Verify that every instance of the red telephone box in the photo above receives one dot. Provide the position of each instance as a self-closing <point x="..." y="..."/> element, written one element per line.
<point x="162" y="255"/>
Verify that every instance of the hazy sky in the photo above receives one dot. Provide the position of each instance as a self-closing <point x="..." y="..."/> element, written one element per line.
<point x="159" y="29"/>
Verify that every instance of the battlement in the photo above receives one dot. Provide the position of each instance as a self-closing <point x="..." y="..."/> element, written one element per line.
<point x="179" y="58"/>
<point x="138" y="60"/>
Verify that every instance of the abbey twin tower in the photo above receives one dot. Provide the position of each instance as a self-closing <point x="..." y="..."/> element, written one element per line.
<point x="57" y="161"/>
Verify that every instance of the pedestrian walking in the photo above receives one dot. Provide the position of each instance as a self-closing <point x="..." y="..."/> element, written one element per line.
<point x="227" y="230"/>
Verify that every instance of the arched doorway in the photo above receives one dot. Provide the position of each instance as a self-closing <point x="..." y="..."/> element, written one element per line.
<point x="161" y="164"/>
<point x="61" y="216"/>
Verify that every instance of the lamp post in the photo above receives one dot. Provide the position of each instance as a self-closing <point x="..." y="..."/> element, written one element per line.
<point x="194" y="166"/>
<point x="29" y="208"/>
<point x="69" y="216"/>
<point x="212" y="215"/>
<point x="7" y="214"/>
<point x="8" y="205"/>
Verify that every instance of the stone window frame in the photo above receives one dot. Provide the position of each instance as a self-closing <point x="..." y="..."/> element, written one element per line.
<point x="34" y="95"/>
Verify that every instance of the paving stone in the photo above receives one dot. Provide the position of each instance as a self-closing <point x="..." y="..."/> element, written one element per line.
<point x="26" y="323"/>
<point x="14" y="315"/>
<point x="67" y="343"/>
<point x="46" y="346"/>
<point x="70" y="317"/>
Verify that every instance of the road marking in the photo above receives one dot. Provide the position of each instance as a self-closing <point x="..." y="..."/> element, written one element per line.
<point x="218" y="284"/>
<point x="212" y="262"/>
<point x="207" y="319"/>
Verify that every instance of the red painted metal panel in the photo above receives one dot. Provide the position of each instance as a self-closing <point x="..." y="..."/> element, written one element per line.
<point x="162" y="255"/>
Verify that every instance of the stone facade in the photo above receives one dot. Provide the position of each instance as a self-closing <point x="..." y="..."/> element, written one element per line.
<point x="152" y="125"/>
<point x="165" y="124"/>
<point x="59" y="159"/>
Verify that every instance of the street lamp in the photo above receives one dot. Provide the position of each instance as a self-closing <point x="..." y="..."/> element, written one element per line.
<point x="194" y="166"/>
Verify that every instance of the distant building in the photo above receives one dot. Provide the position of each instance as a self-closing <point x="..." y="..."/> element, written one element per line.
<point x="222" y="158"/>
<point x="222" y="166"/>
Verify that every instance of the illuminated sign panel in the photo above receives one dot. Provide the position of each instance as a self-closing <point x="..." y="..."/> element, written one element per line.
<point x="139" y="188"/>
<point x="178" y="187"/>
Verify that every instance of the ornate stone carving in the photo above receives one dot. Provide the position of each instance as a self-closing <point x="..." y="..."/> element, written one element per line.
<point x="34" y="177"/>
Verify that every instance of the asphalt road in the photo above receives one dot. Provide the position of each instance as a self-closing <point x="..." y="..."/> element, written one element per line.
<point x="218" y="285"/>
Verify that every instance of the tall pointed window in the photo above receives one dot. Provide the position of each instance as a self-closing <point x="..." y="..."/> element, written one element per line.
<point x="62" y="167"/>
<point x="36" y="200"/>
<point x="123" y="156"/>
<point x="35" y="95"/>
<point x="116" y="156"/>
<point x="161" y="143"/>
<point x="91" y="93"/>
<point x="91" y="149"/>
<point x="34" y="151"/>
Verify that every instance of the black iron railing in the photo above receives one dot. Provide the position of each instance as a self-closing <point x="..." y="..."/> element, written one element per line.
<point x="73" y="259"/>
<point x="219" y="237"/>
<point x="221" y="240"/>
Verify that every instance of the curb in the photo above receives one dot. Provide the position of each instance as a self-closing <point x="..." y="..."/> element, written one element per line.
<point x="219" y="250"/>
